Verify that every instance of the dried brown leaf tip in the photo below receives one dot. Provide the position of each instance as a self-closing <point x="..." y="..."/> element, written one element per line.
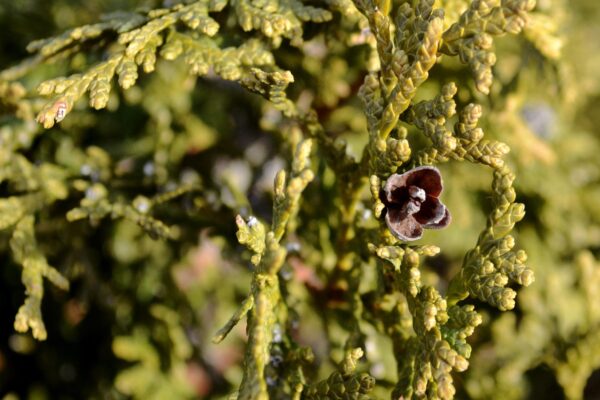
<point x="412" y="203"/>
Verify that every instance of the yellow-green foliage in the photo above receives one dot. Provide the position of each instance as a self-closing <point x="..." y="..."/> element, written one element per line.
<point x="227" y="170"/>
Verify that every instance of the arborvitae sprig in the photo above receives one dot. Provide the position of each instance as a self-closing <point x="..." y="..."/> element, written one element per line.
<point x="264" y="305"/>
<point x="97" y="205"/>
<point x="492" y="264"/>
<point x="465" y="142"/>
<point x="25" y="251"/>
<point x="431" y="118"/>
<point x="277" y="19"/>
<point x="38" y="186"/>
<point x="343" y="384"/>
<point x="462" y="321"/>
<point x="388" y="94"/>
<point x="142" y="37"/>
<point x="405" y="60"/>
<point x="200" y="54"/>
<point x="471" y="38"/>
<point x="425" y="357"/>
<point x="272" y="86"/>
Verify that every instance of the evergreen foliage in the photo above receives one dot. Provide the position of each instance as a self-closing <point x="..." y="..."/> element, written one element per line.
<point x="201" y="184"/>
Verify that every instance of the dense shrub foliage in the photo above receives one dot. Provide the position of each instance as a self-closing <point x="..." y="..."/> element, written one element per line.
<point x="226" y="199"/>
